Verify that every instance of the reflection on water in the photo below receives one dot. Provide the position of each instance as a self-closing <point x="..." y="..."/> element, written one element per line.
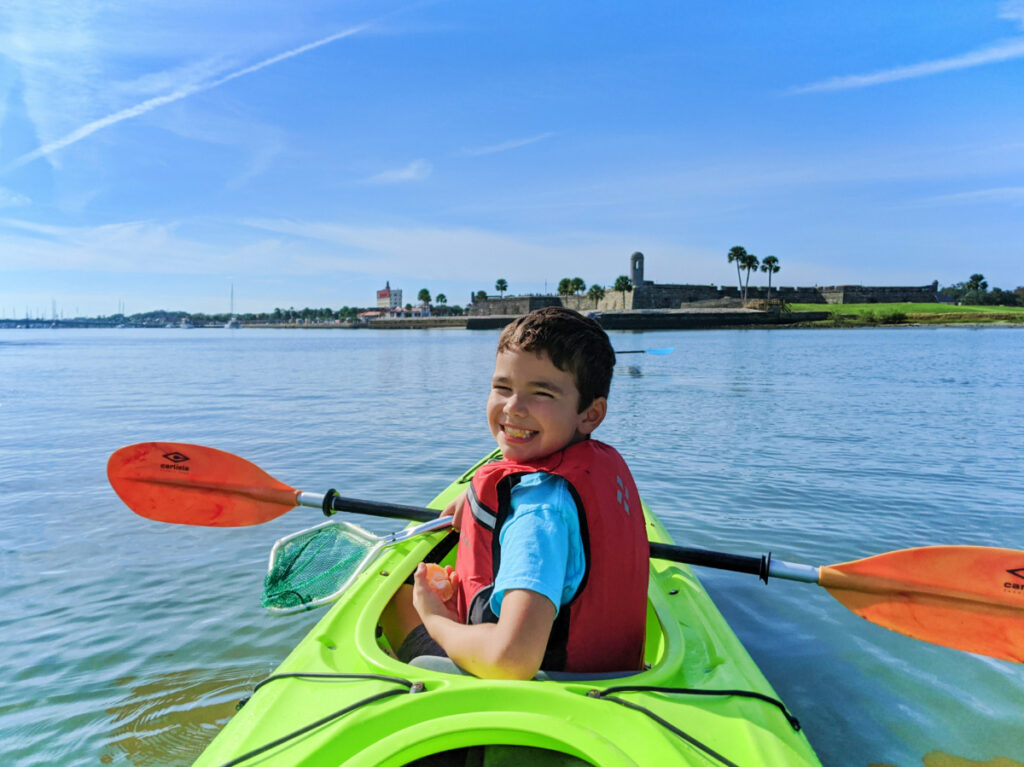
<point x="937" y="759"/>
<point x="171" y="717"/>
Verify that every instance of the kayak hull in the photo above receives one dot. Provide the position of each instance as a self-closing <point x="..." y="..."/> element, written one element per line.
<point x="405" y="713"/>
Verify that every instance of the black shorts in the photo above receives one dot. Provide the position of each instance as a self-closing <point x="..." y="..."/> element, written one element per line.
<point x="418" y="643"/>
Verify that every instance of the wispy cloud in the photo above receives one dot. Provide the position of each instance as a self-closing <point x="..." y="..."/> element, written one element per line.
<point x="177" y="94"/>
<point x="9" y="199"/>
<point x="171" y="247"/>
<point x="1006" y="50"/>
<point x="417" y="170"/>
<point x="1013" y="49"/>
<point x="277" y="248"/>
<point x="1012" y="195"/>
<point x="436" y="252"/>
<point x="506" y="145"/>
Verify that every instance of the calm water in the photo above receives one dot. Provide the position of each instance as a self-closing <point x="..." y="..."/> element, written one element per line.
<point x="126" y="641"/>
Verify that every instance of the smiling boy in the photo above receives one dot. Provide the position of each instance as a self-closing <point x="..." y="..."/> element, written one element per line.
<point x="552" y="565"/>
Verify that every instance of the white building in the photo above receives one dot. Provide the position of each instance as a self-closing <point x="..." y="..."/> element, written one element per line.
<point x="389" y="298"/>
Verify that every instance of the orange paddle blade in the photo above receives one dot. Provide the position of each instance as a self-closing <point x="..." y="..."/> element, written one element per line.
<point x="196" y="485"/>
<point x="967" y="597"/>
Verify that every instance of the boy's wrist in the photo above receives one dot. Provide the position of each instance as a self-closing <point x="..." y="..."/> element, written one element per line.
<point x="434" y="624"/>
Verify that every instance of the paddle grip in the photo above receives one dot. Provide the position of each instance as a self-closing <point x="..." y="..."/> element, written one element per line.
<point x="758" y="566"/>
<point x="334" y="503"/>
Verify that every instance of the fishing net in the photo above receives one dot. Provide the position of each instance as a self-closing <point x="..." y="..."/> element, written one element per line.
<point x="312" y="567"/>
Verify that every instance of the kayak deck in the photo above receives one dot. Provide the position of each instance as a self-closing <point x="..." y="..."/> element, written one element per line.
<point x="340" y="698"/>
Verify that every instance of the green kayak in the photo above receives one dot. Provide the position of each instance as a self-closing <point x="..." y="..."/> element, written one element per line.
<point x="340" y="698"/>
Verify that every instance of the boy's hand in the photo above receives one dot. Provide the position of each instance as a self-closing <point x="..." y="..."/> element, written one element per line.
<point x="427" y="603"/>
<point x="454" y="510"/>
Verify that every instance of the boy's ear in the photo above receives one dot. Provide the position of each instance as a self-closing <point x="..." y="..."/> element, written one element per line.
<point x="592" y="415"/>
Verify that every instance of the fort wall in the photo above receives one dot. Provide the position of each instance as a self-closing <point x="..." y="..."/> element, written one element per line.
<point x="654" y="296"/>
<point x="651" y="295"/>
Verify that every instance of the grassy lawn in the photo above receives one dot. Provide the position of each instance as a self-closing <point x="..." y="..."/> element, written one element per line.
<point x="918" y="314"/>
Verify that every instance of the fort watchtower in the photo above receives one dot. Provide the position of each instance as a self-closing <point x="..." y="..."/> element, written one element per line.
<point x="636" y="269"/>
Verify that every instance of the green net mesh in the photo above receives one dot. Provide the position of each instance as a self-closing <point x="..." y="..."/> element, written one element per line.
<point x="311" y="567"/>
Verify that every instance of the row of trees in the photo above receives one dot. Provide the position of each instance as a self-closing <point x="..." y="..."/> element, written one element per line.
<point x="570" y="286"/>
<point x="575" y="286"/>
<point x="971" y="292"/>
<point x="327" y="315"/>
<point x="441" y="300"/>
<point x="751" y="263"/>
<point x="975" y="292"/>
<point x="323" y="315"/>
<point x="307" y="315"/>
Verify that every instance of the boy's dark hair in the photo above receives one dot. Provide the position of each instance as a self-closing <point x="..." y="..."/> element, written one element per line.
<point x="574" y="343"/>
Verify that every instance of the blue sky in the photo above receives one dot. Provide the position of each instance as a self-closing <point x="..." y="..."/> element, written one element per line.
<point x="155" y="153"/>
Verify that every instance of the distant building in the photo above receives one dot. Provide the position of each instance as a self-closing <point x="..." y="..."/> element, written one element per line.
<point x="415" y="311"/>
<point x="389" y="298"/>
<point x="647" y="294"/>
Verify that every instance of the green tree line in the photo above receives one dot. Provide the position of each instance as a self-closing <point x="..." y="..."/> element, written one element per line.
<point x="975" y="292"/>
<point x="279" y="316"/>
<point x="568" y="286"/>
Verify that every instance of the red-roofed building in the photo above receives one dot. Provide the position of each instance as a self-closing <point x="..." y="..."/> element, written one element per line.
<point x="389" y="297"/>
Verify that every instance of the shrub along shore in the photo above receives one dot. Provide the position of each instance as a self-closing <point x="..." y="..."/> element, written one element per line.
<point x="859" y="315"/>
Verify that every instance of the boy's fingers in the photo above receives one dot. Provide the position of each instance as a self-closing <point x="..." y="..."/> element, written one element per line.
<point x="454" y="509"/>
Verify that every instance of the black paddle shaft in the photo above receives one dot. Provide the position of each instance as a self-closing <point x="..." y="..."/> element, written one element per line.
<point x="701" y="557"/>
<point x="335" y="503"/>
<point x="758" y="566"/>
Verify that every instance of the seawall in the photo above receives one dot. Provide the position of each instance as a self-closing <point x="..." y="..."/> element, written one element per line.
<point x="649" y="319"/>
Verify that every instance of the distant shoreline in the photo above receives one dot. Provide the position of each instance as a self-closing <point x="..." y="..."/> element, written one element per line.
<point x="837" y="316"/>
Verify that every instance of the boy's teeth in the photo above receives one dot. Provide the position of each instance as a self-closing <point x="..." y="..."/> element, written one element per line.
<point x="517" y="433"/>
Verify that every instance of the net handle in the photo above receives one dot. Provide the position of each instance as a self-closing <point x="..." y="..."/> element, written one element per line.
<point x="377" y="545"/>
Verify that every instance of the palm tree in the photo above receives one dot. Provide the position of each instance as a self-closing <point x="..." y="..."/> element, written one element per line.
<point x="501" y="286"/>
<point x="974" y="290"/>
<point x="442" y="301"/>
<point x="578" y="285"/>
<point x="750" y="262"/>
<point x="624" y="285"/>
<point x="565" y="287"/>
<point x="770" y="265"/>
<point x="596" y="292"/>
<point x="736" y="254"/>
<point x="480" y="297"/>
<point x="423" y="296"/>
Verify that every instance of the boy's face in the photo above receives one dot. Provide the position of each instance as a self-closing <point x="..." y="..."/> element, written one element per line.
<point x="532" y="408"/>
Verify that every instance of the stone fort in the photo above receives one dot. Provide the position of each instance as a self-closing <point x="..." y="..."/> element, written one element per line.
<point x="647" y="294"/>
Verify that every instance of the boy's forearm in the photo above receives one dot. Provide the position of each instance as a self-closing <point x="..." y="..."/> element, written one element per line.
<point x="512" y="648"/>
<point x="482" y="649"/>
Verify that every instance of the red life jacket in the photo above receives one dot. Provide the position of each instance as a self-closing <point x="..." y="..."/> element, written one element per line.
<point x="602" y="627"/>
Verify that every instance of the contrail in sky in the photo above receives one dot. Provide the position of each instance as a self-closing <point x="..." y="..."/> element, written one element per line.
<point x="507" y="145"/>
<point x="150" y="104"/>
<point x="1012" y="49"/>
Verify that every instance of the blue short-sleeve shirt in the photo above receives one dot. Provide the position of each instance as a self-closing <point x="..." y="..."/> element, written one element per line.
<point x="541" y="545"/>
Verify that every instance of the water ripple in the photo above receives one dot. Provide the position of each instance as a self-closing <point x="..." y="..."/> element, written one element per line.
<point x="129" y="641"/>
